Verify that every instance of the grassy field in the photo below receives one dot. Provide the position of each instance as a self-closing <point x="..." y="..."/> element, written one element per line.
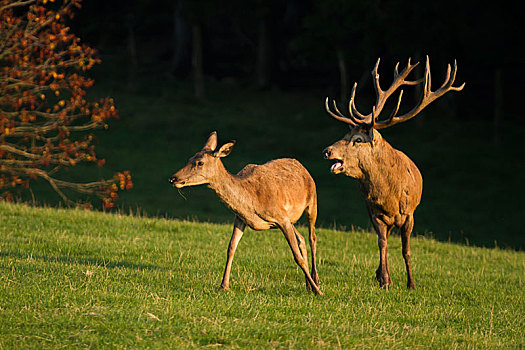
<point x="472" y="187"/>
<point x="78" y="279"/>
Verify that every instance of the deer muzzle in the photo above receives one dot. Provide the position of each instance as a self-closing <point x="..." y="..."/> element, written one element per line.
<point x="327" y="153"/>
<point x="176" y="182"/>
<point x="337" y="167"/>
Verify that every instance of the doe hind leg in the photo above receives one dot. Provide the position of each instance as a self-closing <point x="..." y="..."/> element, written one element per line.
<point x="311" y="217"/>
<point x="304" y="253"/>
<point x="289" y="232"/>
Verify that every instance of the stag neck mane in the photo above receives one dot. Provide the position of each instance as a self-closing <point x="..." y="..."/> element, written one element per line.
<point x="383" y="185"/>
<point x="382" y="159"/>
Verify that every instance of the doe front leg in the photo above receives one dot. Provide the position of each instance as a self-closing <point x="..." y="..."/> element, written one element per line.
<point x="238" y="229"/>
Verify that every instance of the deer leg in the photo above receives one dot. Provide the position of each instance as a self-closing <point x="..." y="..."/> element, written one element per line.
<point x="382" y="273"/>
<point x="304" y="253"/>
<point x="289" y="233"/>
<point x="238" y="229"/>
<point x="311" y="216"/>
<point x="406" y="230"/>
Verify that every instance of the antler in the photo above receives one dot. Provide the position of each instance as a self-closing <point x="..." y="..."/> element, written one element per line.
<point x="428" y="96"/>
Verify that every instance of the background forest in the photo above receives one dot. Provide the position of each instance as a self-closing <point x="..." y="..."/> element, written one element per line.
<point x="259" y="71"/>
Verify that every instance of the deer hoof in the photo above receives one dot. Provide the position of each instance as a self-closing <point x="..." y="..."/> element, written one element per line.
<point x="385" y="283"/>
<point x="316" y="279"/>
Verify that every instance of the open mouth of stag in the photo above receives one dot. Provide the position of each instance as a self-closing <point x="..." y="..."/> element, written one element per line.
<point x="337" y="167"/>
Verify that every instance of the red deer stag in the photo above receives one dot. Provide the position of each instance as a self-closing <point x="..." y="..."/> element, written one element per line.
<point x="265" y="196"/>
<point x="389" y="181"/>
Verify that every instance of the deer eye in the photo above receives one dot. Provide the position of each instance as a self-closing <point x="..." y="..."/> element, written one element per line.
<point x="358" y="139"/>
<point x="200" y="163"/>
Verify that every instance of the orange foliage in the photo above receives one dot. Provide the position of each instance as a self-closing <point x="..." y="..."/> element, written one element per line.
<point x="43" y="100"/>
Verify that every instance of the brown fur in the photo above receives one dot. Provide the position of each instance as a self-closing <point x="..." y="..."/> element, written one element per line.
<point x="389" y="181"/>
<point x="271" y="195"/>
<point x="391" y="185"/>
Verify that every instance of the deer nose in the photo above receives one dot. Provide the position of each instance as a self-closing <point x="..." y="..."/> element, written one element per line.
<point x="327" y="153"/>
<point x="172" y="179"/>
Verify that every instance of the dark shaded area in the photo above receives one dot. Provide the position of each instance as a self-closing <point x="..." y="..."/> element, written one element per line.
<point x="258" y="71"/>
<point x="314" y="44"/>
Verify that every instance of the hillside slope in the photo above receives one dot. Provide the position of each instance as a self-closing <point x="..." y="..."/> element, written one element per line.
<point x="71" y="278"/>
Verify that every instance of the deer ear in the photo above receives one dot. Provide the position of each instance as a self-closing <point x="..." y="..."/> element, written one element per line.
<point x="211" y="142"/>
<point x="371" y="135"/>
<point x="224" y="150"/>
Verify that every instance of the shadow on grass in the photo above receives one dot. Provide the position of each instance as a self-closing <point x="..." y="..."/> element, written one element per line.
<point x="82" y="261"/>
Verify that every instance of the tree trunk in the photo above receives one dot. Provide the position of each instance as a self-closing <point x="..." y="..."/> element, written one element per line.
<point x="179" y="39"/>
<point x="341" y="63"/>
<point x="132" y="52"/>
<point x="263" y="56"/>
<point x="498" y="102"/>
<point x="196" y="62"/>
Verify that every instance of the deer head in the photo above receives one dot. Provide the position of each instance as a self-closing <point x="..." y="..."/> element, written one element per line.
<point x="204" y="165"/>
<point x="358" y="145"/>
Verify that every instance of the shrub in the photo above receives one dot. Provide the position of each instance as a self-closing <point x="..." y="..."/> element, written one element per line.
<point x="45" y="118"/>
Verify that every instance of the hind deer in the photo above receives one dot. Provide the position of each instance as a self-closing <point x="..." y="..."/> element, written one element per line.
<point x="389" y="181"/>
<point x="271" y="195"/>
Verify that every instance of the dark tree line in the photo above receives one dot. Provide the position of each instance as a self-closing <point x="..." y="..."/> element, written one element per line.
<point x="315" y="43"/>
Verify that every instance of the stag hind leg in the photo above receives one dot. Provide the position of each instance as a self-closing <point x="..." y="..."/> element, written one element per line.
<point x="238" y="229"/>
<point x="382" y="272"/>
<point x="289" y="232"/>
<point x="406" y="230"/>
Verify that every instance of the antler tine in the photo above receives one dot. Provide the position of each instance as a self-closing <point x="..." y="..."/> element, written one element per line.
<point x="373" y="122"/>
<point x="428" y="76"/>
<point x="426" y="82"/>
<point x="399" y="80"/>
<point x="339" y="117"/>
<point x="337" y="110"/>
<point x="447" y="77"/>
<point x="375" y="75"/>
<point x="394" y="112"/>
<point x="453" y="78"/>
<point x="396" y="70"/>
<point x="405" y="72"/>
<point x="427" y="96"/>
<point x="353" y="110"/>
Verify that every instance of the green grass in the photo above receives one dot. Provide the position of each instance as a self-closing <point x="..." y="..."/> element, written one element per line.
<point x="80" y="279"/>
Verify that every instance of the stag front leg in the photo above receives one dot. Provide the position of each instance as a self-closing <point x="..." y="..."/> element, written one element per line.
<point x="406" y="230"/>
<point x="290" y="235"/>
<point x="382" y="272"/>
<point x="238" y="228"/>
